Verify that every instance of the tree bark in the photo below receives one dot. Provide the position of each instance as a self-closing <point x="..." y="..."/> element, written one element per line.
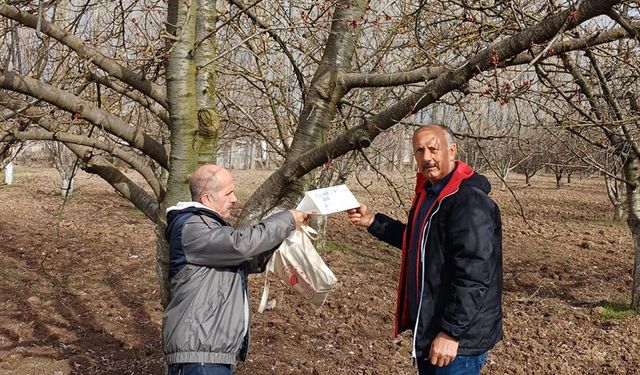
<point x="320" y="107"/>
<point x="207" y="135"/>
<point x="632" y="173"/>
<point x="8" y="173"/>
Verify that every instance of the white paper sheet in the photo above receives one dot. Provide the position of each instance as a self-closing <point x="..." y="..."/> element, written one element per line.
<point x="328" y="200"/>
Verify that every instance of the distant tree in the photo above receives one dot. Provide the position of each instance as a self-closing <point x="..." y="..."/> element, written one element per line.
<point x="600" y="86"/>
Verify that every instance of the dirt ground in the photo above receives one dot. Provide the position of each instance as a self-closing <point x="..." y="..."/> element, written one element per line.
<point x="79" y="294"/>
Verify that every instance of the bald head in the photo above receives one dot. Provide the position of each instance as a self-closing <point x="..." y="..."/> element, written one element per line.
<point x="212" y="186"/>
<point x="204" y="180"/>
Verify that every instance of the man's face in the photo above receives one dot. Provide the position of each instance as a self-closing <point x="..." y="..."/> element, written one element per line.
<point x="434" y="157"/>
<point x="222" y="200"/>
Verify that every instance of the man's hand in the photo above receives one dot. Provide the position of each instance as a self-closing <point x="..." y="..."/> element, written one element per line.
<point x="300" y="217"/>
<point x="444" y="349"/>
<point x="361" y="216"/>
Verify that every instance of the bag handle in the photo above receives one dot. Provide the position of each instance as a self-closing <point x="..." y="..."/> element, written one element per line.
<point x="265" y="288"/>
<point x="307" y="231"/>
<point x="310" y="232"/>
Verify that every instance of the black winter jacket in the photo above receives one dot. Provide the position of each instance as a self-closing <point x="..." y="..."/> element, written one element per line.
<point x="461" y="291"/>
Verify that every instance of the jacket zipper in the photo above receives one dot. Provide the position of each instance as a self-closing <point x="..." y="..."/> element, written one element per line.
<point x="422" y="263"/>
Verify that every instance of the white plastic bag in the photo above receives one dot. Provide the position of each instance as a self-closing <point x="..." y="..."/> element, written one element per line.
<point x="299" y="266"/>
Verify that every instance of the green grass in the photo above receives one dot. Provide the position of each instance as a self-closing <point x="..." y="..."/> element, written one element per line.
<point x="609" y="222"/>
<point x="615" y="311"/>
<point x="64" y="284"/>
<point x="11" y="274"/>
<point x="21" y="170"/>
<point x="134" y="211"/>
<point x="342" y="247"/>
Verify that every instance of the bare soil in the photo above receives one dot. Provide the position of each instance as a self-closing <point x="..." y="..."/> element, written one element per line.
<point x="79" y="294"/>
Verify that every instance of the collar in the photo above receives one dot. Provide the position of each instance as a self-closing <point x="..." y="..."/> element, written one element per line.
<point x="436" y="188"/>
<point x="183" y="205"/>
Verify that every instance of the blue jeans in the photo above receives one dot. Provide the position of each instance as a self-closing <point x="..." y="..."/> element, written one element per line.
<point x="200" y="369"/>
<point x="461" y="365"/>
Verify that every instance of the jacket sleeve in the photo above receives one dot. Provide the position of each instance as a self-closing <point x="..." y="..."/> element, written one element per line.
<point x="259" y="263"/>
<point x="470" y="231"/>
<point x="208" y="243"/>
<point x="387" y="229"/>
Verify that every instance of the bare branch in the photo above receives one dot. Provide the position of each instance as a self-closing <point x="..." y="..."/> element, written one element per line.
<point x="95" y="163"/>
<point x="278" y="40"/>
<point x="353" y="80"/>
<point x="153" y="90"/>
<point x="67" y="138"/>
<point x="161" y="113"/>
<point x="560" y="48"/>
<point x="87" y="111"/>
<point x="625" y="23"/>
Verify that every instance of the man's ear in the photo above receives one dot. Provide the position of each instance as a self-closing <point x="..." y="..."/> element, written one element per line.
<point x="453" y="151"/>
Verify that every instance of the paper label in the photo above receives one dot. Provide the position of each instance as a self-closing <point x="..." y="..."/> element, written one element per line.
<point x="328" y="200"/>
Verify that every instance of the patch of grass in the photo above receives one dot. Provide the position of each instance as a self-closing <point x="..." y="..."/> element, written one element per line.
<point x="610" y="223"/>
<point x="615" y="311"/>
<point x="11" y="274"/>
<point x="134" y="211"/>
<point x="14" y="185"/>
<point x="342" y="247"/>
<point x="64" y="284"/>
<point x="21" y="170"/>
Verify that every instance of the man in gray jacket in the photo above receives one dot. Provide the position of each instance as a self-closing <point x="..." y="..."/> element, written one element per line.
<point x="206" y="324"/>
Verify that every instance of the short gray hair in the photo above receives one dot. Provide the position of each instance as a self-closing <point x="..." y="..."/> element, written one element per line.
<point x="451" y="140"/>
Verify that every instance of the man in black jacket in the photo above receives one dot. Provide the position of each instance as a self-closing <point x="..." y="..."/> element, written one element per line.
<point x="450" y="286"/>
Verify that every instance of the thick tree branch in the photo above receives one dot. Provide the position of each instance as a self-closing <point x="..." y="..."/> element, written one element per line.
<point x="153" y="90"/>
<point x="353" y="80"/>
<point x="92" y="163"/>
<point x="362" y="135"/>
<point x="625" y="23"/>
<point x="123" y="185"/>
<point x="87" y="111"/>
<point x="51" y="126"/>
<point x="560" y="48"/>
<point x="67" y="138"/>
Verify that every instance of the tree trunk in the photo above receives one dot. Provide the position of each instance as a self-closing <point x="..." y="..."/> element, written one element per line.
<point x="184" y="124"/>
<point x="618" y="212"/>
<point x="320" y="107"/>
<point x="8" y="173"/>
<point x="614" y="194"/>
<point x="632" y="173"/>
<point x="206" y="140"/>
<point x="252" y="155"/>
<point x="66" y="188"/>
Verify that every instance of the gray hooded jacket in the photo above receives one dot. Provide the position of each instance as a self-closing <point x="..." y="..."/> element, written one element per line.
<point x="207" y="320"/>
